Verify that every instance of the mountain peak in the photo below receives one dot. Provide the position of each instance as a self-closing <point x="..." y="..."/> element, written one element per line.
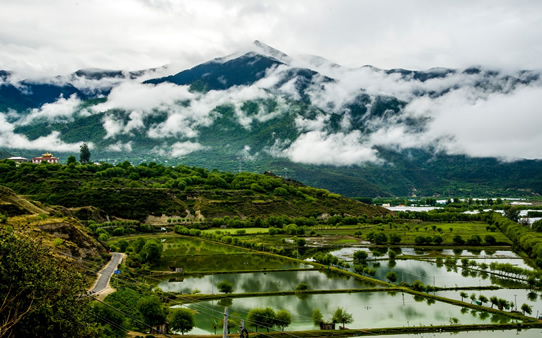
<point x="262" y="48"/>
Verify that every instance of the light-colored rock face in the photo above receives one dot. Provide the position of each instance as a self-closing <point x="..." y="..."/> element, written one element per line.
<point x="75" y="243"/>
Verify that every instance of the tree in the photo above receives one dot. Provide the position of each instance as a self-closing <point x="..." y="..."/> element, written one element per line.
<point x="391" y="276"/>
<point x="182" y="320"/>
<point x="317" y="317"/>
<point x="537" y="226"/>
<point x="395" y="238"/>
<point x="512" y="213"/>
<point x="113" y="322"/>
<point x="40" y="296"/>
<point x="458" y="240"/>
<point x="483" y="299"/>
<point x="418" y="285"/>
<point x="360" y="255"/>
<point x="380" y="238"/>
<point x="494" y="300"/>
<point x="151" y="310"/>
<point x="225" y="287"/>
<point x="302" y="287"/>
<point x="84" y="156"/>
<point x="526" y="309"/>
<point x="341" y="316"/>
<point x="262" y="317"/>
<point x="71" y="159"/>
<point x="284" y="319"/>
<point x="463" y="294"/>
<point x="472" y="297"/>
<point x="474" y="240"/>
<point x="490" y="240"/>
<point x="151" y="251"/>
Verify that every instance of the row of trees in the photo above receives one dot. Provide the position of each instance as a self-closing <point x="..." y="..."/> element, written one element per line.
<point x="268" y="318"/>
<point x="501" y="303"/>
<point x="339" y="316"/>
<point x="523" y="237"/>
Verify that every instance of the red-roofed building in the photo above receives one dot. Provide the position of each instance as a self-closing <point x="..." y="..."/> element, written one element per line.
<point x="47" y="157"/>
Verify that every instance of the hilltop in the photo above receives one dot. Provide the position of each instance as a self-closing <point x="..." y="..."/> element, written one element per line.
<point x="145" y="192"/>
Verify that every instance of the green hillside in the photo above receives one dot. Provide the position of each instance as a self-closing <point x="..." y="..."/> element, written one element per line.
<point x="136" y="192"/>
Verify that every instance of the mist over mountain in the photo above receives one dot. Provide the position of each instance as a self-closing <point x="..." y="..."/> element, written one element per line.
<point x="361" y="132"/>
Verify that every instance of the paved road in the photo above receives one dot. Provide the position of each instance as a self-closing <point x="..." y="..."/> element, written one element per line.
<point x="107" y="272"/>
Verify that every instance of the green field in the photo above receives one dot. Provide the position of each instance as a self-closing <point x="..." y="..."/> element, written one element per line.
<point x="235" y="231"/>
<point x="408" y="232"/>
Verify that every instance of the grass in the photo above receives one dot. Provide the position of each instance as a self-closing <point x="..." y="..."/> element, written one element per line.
<point x="231" y="231"/>
<point x="345" y="241"/>
<point x="409" y="231"/>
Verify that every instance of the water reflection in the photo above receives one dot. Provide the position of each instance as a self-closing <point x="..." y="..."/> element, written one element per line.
<point x="269" y="282"/>
<point x="348" y="252"/>
<point x="230" y="262"/>
<point x="516" y="296"/>
<point x="531" y="333"/>
<point x="439" y="274"/>
<point x="369" y="310"/>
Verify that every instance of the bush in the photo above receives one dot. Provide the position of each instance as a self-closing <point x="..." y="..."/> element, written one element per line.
<point x="490" y="240"/>
<point x="118" y="231"/>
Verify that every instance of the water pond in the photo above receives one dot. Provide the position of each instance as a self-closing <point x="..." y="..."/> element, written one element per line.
<point x="531" y="333"/>
<point x="521" y="296"/>
<point x="369" y="310"/>
<point x="230" y="262"/>
<point x="264" y="282"/>
<point x="347" y="253"/>
<point x="429" y="273"/>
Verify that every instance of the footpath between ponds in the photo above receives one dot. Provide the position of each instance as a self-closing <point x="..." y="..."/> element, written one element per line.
<point x="378" y="331"/>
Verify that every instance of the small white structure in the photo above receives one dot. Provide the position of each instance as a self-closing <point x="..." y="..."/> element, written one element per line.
<point x="18" y="159"/>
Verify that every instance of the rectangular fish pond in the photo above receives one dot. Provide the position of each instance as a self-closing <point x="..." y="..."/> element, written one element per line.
<point x="369" y="310"/>
<point x="444" y="276"/>
<point x="264" y="282"/>
<point x="193" y="255"/>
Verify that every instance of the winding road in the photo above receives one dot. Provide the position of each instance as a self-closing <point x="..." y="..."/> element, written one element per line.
<point x="102" y="283"/>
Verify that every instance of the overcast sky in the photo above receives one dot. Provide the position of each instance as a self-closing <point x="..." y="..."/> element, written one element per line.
<point x="61" y="36"/>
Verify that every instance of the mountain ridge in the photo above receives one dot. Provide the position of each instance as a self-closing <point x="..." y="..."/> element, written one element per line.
<point x="269" y="110"/>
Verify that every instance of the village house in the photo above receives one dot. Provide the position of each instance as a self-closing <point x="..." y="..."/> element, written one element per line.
<point x="47" y="157"/>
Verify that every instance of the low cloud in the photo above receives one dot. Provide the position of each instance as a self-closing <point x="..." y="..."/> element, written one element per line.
<point x="51" y="142"/>
<point x="59" y="111"/>
<point x="500" y="125"/>
<point x="115" y="125"/>
<point x="180" y="149"/>
<point x="330" y="149"/>
<point x="120" y="147"/>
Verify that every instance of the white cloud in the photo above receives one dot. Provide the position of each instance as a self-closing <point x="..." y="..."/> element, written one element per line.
<point x="114" y="126"/>
<point x="331" y="149"/>
<point x="61" y="110"/>
<point x="137" y="96"/>
<point x="139" y="34"/>
<point x="51" y="142"/>
<point x="120" y="147"/>
<point x="179" y="149"/>
<point x="501" y="125"/>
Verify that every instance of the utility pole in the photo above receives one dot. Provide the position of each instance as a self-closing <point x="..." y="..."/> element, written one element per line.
<point x="225" y="332"/>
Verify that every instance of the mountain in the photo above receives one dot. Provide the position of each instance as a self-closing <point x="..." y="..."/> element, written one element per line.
<point x="356" y="131"/>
